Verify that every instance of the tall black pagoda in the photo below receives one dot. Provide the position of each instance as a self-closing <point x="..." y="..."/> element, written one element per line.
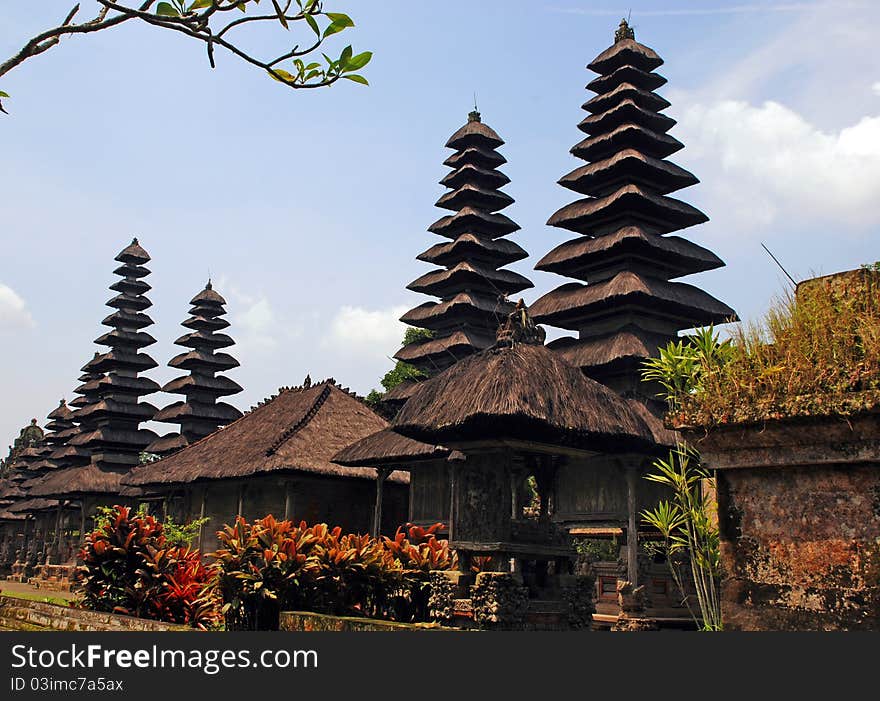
<point x="470" y="282"/>
<point x="200" y="413"/>
<point x="626" y="304"/>
<point x="110" y="412"/>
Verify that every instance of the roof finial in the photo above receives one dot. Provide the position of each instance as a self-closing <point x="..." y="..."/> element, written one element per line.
<point x="208" y="286"/>
<point x="475" y="115"/>
<point x="134" y="241"/>
<point x="624" y="31"/>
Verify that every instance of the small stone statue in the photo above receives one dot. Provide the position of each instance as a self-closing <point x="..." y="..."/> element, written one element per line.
<point x="519" y="328"/>
<point x="624" y="31"/>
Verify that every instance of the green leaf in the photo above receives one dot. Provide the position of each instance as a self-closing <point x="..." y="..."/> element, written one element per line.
<point x="166" y="9"/>
<point x="312" y="22"/>
<point x="359" y="61"/>
<point x="345" y="56"/>
<point x="357" y="78"/>
<point x="4" y="94"/>
<point x="200" y="5"/>
<point x="337" y="24"/>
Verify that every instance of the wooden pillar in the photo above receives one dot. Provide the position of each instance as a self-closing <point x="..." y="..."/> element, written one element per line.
<point x="240" y="499"/>
<point x="288" y="500"/>
<point x="381" y="475"/>
<point x="202" y="515"/>
<point x="632" y="539"/>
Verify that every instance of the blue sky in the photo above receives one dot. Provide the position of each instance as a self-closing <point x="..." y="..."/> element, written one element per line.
<point x="308" y="208"/>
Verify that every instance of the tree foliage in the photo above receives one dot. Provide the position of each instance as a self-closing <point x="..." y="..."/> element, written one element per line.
<point x="401" y="372"/>
<point x="219" y="24"/>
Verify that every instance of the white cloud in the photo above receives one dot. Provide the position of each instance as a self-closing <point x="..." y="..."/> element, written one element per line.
<point x="374" y="332"/>
<point x="775" y="165"/>
<point x="875" y="88"/>
<point x="14" y="313"/>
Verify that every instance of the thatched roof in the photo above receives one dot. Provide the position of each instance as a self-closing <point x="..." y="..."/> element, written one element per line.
<point x="627" y="166"/>
<point x="644" y="98"/>
<point x="299" y="430"/>
<point x="667" y="256"/>
<point x="387" y="447"/>
<point x="627" y="52"/>
<point x="595" y="148"/>
<point x="625" y="112"/>
<point x="631" y="344"/>
<point x="628" y="205"/>
<point x="567" y="306"/>
<point x="626" y="74"/>
<point x="523" y="392"/>
<point x="31" y="505"/>
<point x="72" y="482"/>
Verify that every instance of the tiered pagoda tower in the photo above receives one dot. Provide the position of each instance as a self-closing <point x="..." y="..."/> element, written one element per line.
<point x="471" y="284"/>
<point x="201" y="413"/>
<point x="110" y="413"/>
<point x="67" y="454"/>
<point x="58" y="431"/>
<point x="626" y="304"/>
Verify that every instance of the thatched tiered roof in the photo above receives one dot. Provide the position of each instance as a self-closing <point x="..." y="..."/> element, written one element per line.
<point x="521" y="393"/>
<point x="299" y="430"/>
<point x="628" y="306"/>
<point x="115" y="440"/>
<point x="471" y="285"/>
<point x="201" y="413"/>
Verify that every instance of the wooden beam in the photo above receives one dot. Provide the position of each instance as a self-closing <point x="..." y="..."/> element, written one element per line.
<point x="381" y="475"/>
<point x="632" y="531"/>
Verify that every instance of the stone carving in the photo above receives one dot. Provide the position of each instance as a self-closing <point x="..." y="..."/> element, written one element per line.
<point x="500" y="601"/>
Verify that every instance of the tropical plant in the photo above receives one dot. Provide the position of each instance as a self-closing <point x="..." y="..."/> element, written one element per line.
<point x="689" y="531"/>
<point x="401" y="372"/>
<point x="129" y="567"/>
<point x="211" y="23"/>
<point x="268" y="566"/>
<point x="182" y="534"/>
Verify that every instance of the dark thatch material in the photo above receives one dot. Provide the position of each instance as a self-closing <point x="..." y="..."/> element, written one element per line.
<point x="627" y="52"/>
<point x="67" y="483"/>
<point x="387" y="447"/>
<point x="466" y="275"/>
<point x="456" y="344"/>
<point x="484" y="177"/>
<point x="573" y="303"/>
<point x="472" y="195"/>
<point x="630" y="345"/>
<point x="299" y="430"/>
<point x="476" y="156"/>
<point x="471" y="220"/>
<point x="33" y="505"/>
<point x="662" y="436"/>
<point x="464" y="306"/>
<point x="523" y="392"/>
<point x="474" y="133"/>
<point x="628" y="166"/>
<point x="626" y="112"/>
<point x="595" y="148"/>
<point x="9" y="516"/>
<point x="630" y="204"/>
<point x="472" y="247"/>
<point x="643" y="80"/>
<point x="401" y="393"/>
<point x="625" y="91"/>
<point x="668" y="256"/>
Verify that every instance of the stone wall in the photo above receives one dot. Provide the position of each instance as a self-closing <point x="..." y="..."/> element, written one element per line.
<point x="304" y="621"/>
<point x="22" y="614"/>
<point x="800" y="525"/>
